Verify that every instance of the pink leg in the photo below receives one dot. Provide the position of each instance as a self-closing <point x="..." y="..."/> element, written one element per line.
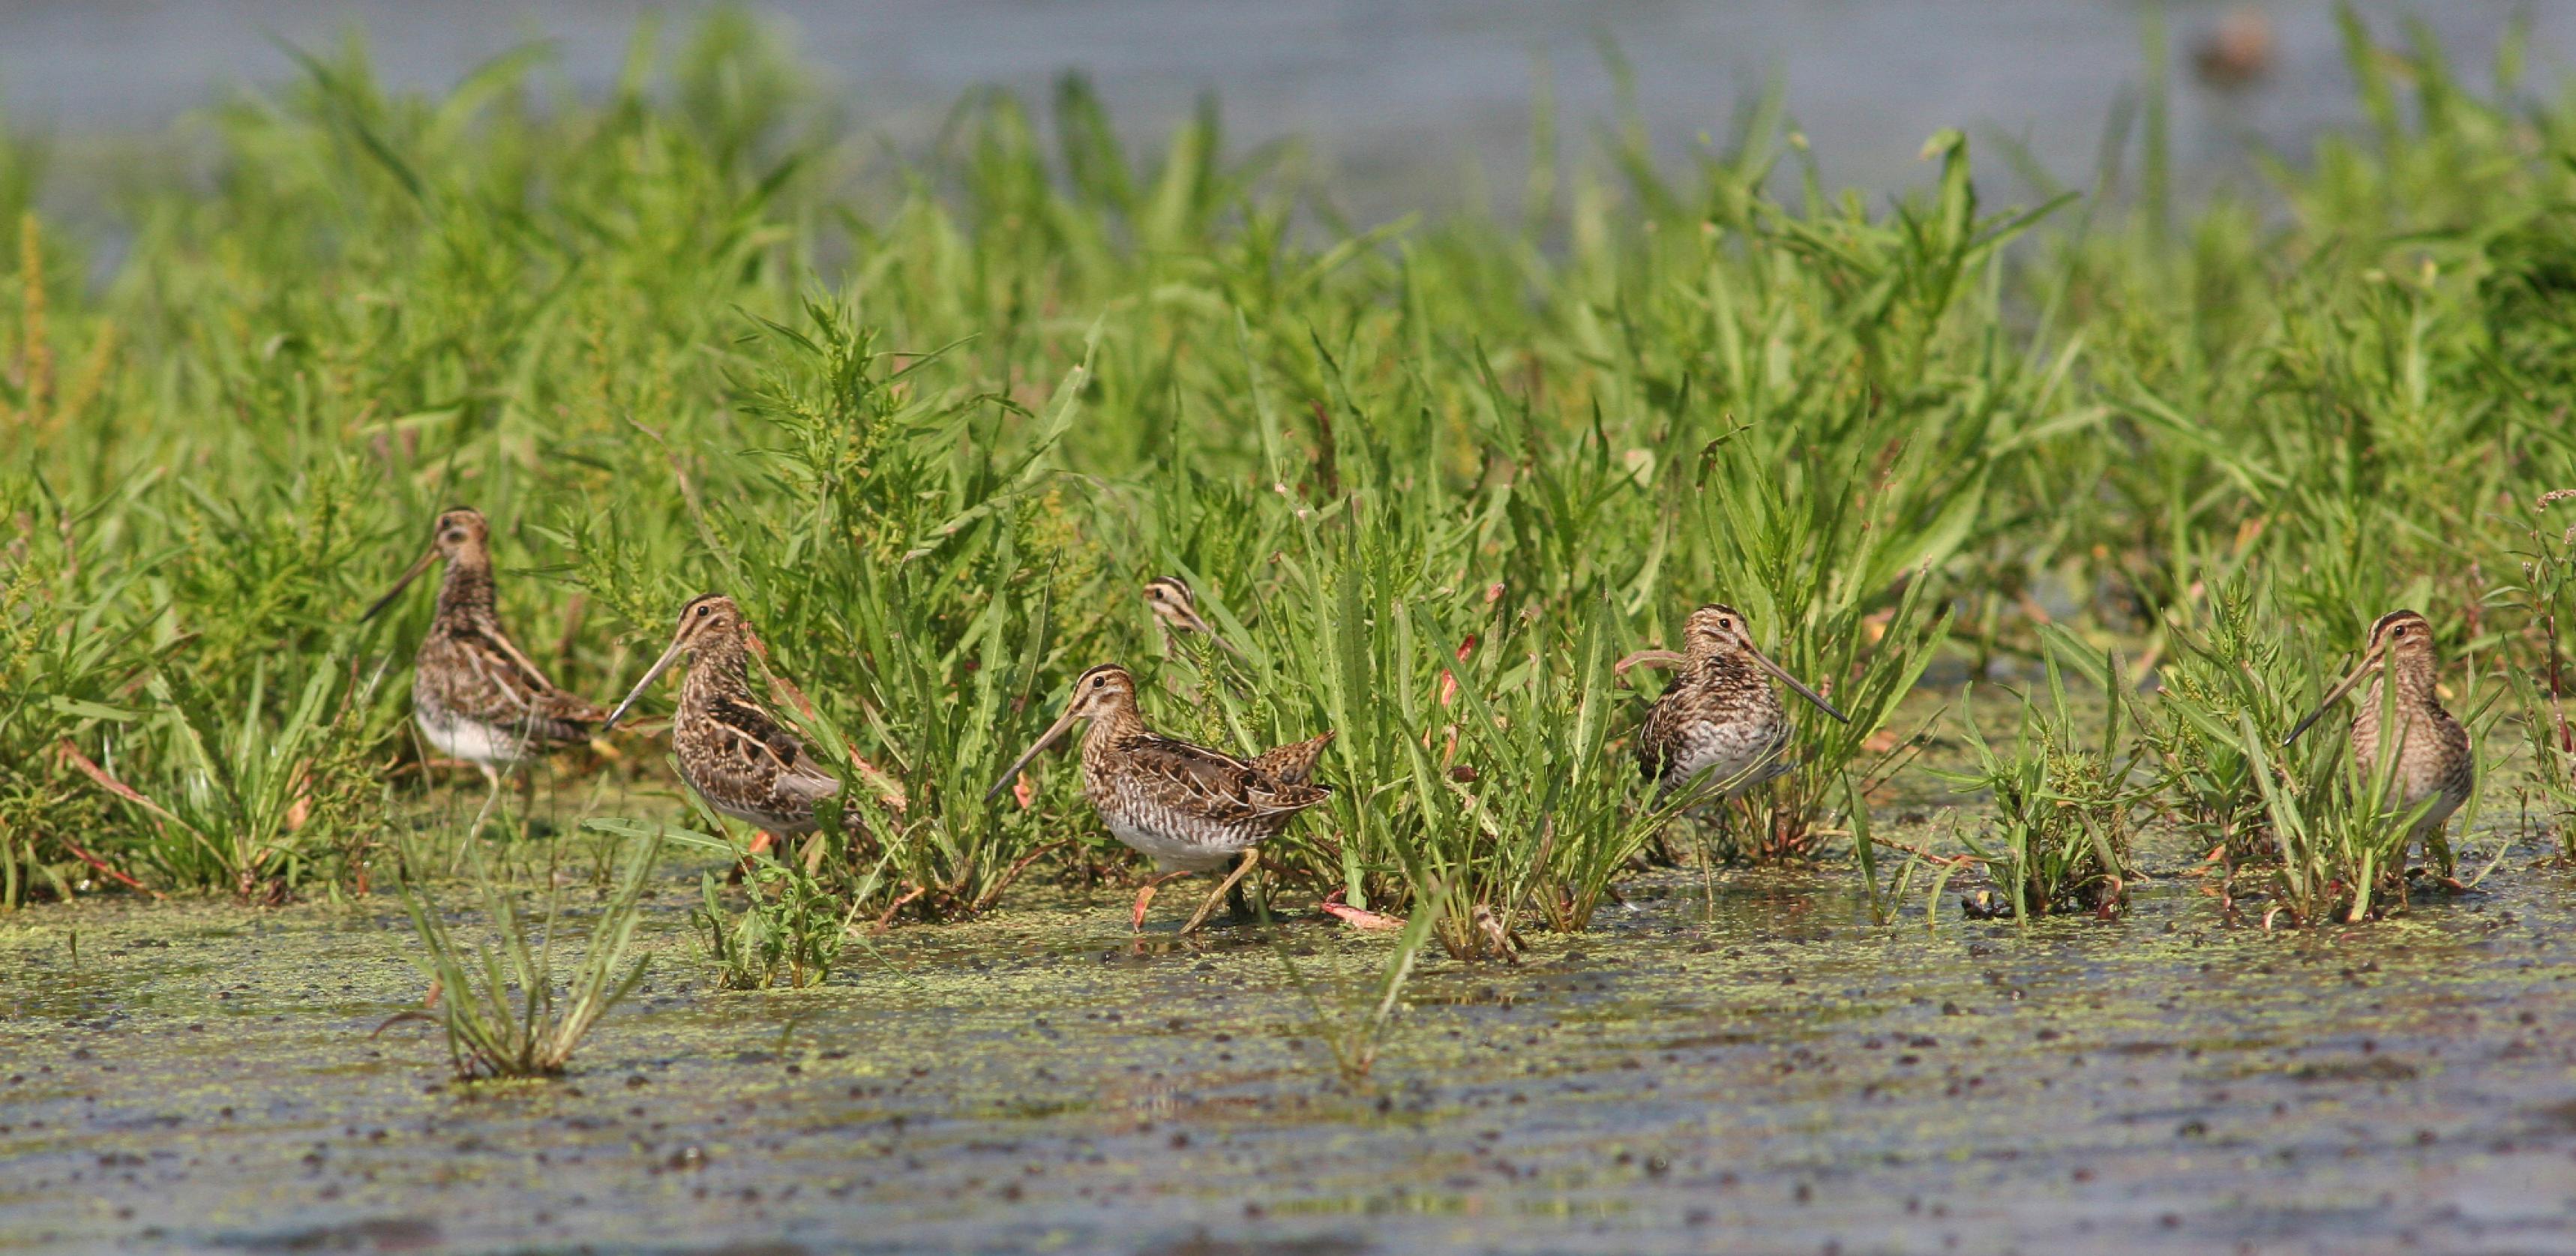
<point x="1136" y="922"/>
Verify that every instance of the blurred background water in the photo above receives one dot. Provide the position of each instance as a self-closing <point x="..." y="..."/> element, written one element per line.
<point x="1399" y="101"/>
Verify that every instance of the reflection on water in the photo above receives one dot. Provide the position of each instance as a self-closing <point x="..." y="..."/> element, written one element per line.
<point x="1377" y="86"/>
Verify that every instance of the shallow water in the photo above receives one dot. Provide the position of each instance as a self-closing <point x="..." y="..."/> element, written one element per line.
<point x="1374" y="88"/>
<point x="1743" y="1062"/>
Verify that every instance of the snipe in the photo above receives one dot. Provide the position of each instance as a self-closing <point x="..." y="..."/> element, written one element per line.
<point x="475" y="696"/>
<point x="1720" y="722"/>
<point x="2432" y="758"/>
<point x="1190" y="808"/>
<point x="1177" y="610"/>
<point x="738" y="757"/>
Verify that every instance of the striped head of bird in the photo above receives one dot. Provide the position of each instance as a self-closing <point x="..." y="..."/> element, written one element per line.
<point x="1717" y="631"/>
<point x="711" y="625"/>
<point x="1170" y="599"/>
<point x="2400" y="645"/>
<point x="1105" y="693"/>
<point x="460" y="538"/>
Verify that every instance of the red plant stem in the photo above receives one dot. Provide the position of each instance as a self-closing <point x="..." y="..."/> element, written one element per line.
<point x="886" y="921"/>
<point x="72" y="755"/>
<point x="101" y="864"/>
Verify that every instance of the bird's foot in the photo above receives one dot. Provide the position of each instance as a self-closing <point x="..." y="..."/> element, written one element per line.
<point x="1136" y="919"/>
<point x="1241" y="868"/>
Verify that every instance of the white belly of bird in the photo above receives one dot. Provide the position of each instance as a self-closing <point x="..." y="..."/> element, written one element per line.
<point x="471" y="740"/>
<point x="1170" y="852"/>
<point x="759" y="820"/>
<point x="1733" y="763"/>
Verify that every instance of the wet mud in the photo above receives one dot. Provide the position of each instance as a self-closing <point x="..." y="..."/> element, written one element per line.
<point x="1737" y="1062"/>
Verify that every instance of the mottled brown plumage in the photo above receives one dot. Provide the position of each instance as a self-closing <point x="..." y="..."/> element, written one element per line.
<point x="1720" y="721"/>
<point x="475" y="696"/>
<point x="1190" y="808"/>
<point x="738" y="757"/>
<point x="2432" y="759"/>
<point x="1292" y="764"/>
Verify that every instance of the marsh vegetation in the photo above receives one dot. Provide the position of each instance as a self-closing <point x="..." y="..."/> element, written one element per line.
<point x="935" y="427"/>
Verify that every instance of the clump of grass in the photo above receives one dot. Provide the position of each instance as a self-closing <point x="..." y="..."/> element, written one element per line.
<point x="67" y="660"/>
<point x="788" y="934"/>
<point x="1826" y="511"/>
<point x="1357" y="1031"/>
<point x="2343" y="831"/>
<point x="1547" y="813"/>
<point x="877" y="551"/>
<point x="498" y="1003"/>
<point x="2229" y="672"/>
<point x="2342" y="840"/>
<point x="250" y="795"/>
<point x="2061" y="835"/>
<point x="794" y="921"/>
<point x="1505" y="801"/>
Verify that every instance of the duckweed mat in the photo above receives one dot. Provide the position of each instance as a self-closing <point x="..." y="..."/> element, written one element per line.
<point x="1739" y="1062"/>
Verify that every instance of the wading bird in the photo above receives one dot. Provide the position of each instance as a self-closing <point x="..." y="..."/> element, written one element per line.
<point x="738" y="757"/>
<point x="1190" y="808"/>
<point x="1720" y="717"/>
<point x="2432" y="756"/>
<point x="474" y="695"/>
<point x="1170" y="599"/>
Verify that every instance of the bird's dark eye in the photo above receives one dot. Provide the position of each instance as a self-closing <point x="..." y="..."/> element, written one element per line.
<point x="1099" y="682"/>
<point x="703" y="611"/>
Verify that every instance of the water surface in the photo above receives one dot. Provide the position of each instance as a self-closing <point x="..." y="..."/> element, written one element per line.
<point x="1743" y="1061"/>
<point x="1392" y="97"/>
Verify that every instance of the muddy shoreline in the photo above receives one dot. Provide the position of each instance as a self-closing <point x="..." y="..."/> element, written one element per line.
<point x="1745" y="1061"/>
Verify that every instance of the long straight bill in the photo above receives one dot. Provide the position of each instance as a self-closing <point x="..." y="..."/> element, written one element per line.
<point x="1795" y="683"/>
<point x="660" y="666"/>
<point x="1199" y="622"/>
<point x="2326" y="703"/>
<point x="417" y="567"/>
<point x="1012" y="773"/>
